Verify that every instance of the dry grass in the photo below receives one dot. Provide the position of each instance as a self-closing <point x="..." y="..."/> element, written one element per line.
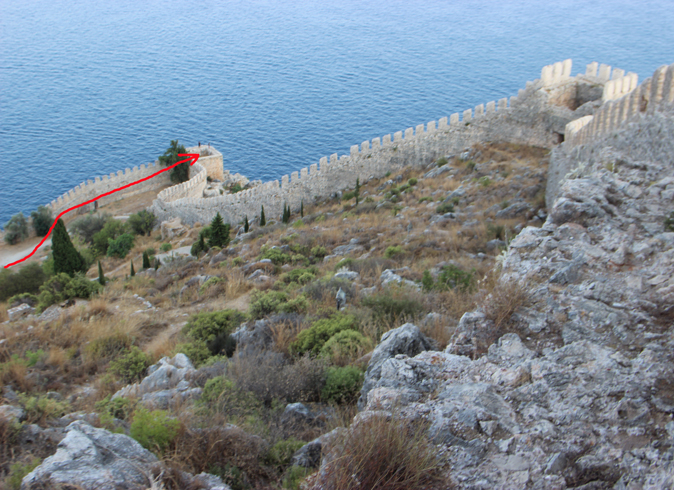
<point x="3" y="312"/>
<point x="380" y="452"/>
<point x="283" y="334"/>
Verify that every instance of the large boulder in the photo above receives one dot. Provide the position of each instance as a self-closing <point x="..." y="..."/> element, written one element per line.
<point x="167" y="382"/>
<point x="94" y="459"/>
<point x="19" y="312"/>
<point x="406" y="340"/>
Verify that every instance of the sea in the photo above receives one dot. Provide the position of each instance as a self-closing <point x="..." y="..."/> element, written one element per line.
<point x="89" y="87"/>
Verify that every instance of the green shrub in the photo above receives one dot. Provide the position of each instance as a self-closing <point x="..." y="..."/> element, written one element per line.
<point x="23" y="298"/>
<point x="279" y="454"/>
<point x="214" y="329"/>
<point x="32" y="358"/>
<point x="319" y="251"/>
<point x="264" y="303"/>
<point x="453" y="277"/>
<point x="197" y="351"/>
<point x="131" y="366"/>
<point x="108" y="347"/>
<point x="347" y="262"/>
<point x="16" y="229"/>
<point x="120" y="246"/>
<point x="87" y="226"/>
<point x="18" y="470"/>
<point x="441" y="161"/>
<point x="484" y="181"/>
<point x="298" y="223"/>
<point x="198" y="247"/>
<point x="42" y="220"/>
<point x="347" y="344"/>
<point x="470" y="165"/>
<point x="165" y="247"/>
<point x="276" y="255"/>
<point x="220" y="395"/>
<point x="412" y="181"/>
<point x="294" y="476"/>
<point x="28" y="279"/>
<point x="62" y="287"/>
<point x="142" y="223"/>
<point x="153" y="430"/>
<point x="237" y="261"/>
<point x="295" y="305"/>
<point x="314" y="338"/>
<point x="179" y="173"/>
<point x="390" y="306"/>
<point x="40" y="409"/>
<point x="445" y="207"/>
<point x="342" y="385"/>
<point x="496" y="231"/>
<point x="112" y="229"/>
<point x="427" y="282"/>
<point x="393" y="251"/>
<point x="347" y="196"/>
<point x="299" y="275"/>
<point x="119" y="408"/>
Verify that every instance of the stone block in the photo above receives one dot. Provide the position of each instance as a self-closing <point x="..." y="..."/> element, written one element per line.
<point x="419" y="129"/>
<point x="479" y="110"/>
<point x="398" y="136"/>
<point x="409" y="133"/>
<point x="591" y="69"/>
<point x="467" y="115"/>
<point x="566" y="68"/>
<point x="454" y="119"/>
<point x="491" y="107"/>
<point x="617" y="74"/>
<point x="430" y="127"/>
<point x="502" y="104"/>
<point x="604" y="72"/>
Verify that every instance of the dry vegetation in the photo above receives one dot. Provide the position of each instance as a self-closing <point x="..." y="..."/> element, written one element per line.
<point x="394" y="230"/>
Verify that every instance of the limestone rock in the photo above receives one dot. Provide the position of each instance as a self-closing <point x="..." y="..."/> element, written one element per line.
<point x="94" y="459"/>
<point x="172" y="228"/>
<point x="20" y="312"/>
<point x="407" y="340"/>
<point x="11" y="413"/>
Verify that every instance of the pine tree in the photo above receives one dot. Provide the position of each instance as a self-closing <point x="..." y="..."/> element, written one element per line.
<point x="133" y="272"/>
<point x="219" y="233"/>
<point x="356" y="192"/>
<point x="101" y="277"/>
<point x="246" y="225"/>
<point x="263" y="220"/>
<point x="146" y="260"/>
<point x="302" y="209"/>
<point x="179" y="173"/>
<point x="66" y="257"/>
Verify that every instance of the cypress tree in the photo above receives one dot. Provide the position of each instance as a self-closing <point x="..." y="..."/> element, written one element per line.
<point x="302" y="209"/>
<point x="219" y="233"/>
<point x="133" y="272"/>
<point x="246" y="226"/>
<point x="146" y="260"/>
<point x="66" y="257"/>
<point x="356" y="192"/>
<point x="101" y="277"/>
<point x="288" y="213"/>
<point x="263" y="220"/>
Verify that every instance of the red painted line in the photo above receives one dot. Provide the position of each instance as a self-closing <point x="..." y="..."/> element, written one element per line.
<point x="193" y="157"/>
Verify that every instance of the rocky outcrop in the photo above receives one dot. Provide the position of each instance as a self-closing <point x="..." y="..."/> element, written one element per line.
<point x="167" y="382"/>
<point x="405" y="341"/>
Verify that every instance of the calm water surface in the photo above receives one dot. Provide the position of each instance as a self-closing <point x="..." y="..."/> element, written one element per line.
<point x="90" y="87"/>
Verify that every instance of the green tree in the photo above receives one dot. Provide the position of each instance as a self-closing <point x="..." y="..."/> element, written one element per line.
<point x="246" y="225"/>
<point x="219" y="233"/>
<point x="16" y="229"/>
<point x="356" y="192"/>
<point x="198" y="246"/>
<point x="146" y="260"/>
<point x="286" y="214"/>
<point x="101" y="277"/>
<point x="42" y="220"/>
<point x="133" y="272"/>
<point x="263" y="220"/>
<point x="66" y="258"/>
<point x="180" y="173"/>
<point x="142" y="223"/>
<point x="120" y="246"/>
<point x="302" y="209"/>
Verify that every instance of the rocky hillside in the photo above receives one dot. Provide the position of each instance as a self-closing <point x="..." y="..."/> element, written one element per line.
<point x="479" y="341"/>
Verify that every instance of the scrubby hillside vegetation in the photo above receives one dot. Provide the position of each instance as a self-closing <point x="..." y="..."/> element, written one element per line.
<point x="230" y="362"/>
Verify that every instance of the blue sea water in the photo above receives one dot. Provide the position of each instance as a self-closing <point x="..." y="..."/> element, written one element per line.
<point x="88" y="87"/>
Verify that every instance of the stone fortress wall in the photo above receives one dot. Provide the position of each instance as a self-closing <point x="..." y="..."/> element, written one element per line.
<point x="210" y="161"/>
<point x="623" y="101"/>
<point x="528" y="118"/>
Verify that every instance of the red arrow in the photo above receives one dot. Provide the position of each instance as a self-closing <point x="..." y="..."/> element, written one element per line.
<point x="191" y="157"/>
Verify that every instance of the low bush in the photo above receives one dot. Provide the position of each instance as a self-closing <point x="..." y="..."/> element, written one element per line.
<point x="16" y="229"/>
<point x="345" y="345"/>
<point x="392" y="305"/>
<point x="453" y="277"/>
<point x="276" y="255"/>
<point x="393" y="251"/>
<point x="279" y="454"/>
<point x="265" y="303"/>
<point x="342" y="385"/>
<point x="153" y="430"/>
<point x="28" y="279"/>
<point x="382" y="453"/>
<point x="119" y="247"/>
<point x="142" y="223"/>
<point x="39" y="409"/>
<point x="23" y="298"/>
<point x="42" y="220"/>
<point x="62" y="287"/>
<point x="87" y="226"/>
<point x="214" y="330"/>
<point x="165" y="247"/>
<point x="197" y="351"/>
<point x="119" y="408"/>
<point x="18" y="470"/>
<point x="131" y="366"/>
<point x="111" y="230"/>
<point x="294" y="476"/>
<point x="314" y="338"/>
<point x="445" y="207"/>
<point x="222" y="396"/>
<point x="300" y="275"/>
<point x="111" y="346"/>
<point x="441" y="161"/>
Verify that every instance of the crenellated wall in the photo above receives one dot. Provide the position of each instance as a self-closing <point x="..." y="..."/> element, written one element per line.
<point x="655" y="92"/>
<point x="517" y="119"/>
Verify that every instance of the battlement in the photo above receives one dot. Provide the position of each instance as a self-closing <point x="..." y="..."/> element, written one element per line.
<point x="617" y="109"/>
